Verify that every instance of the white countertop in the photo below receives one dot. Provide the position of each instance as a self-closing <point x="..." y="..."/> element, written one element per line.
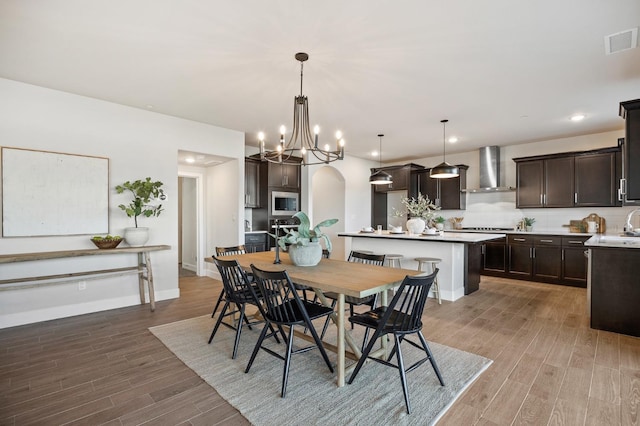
<point x="615" y="241"/>
<point x="447" y="237"/>
<point x="562" y="232"/>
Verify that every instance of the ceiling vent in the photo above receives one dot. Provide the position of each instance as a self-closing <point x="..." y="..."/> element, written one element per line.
<point x="619" y="42"/>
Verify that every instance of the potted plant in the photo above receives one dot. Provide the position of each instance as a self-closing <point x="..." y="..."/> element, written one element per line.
<point x="528" y="223"/>
<point x="420" y="211"/>
<point x="439" y="221"/>
<point x="304" y="242"/>
<point x="144" y="193"/>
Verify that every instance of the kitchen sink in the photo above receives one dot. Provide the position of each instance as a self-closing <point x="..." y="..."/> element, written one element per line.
<point x="617" y="241"/>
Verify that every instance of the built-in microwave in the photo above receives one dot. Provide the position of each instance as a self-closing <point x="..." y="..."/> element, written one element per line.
<point x="284" y="203"/>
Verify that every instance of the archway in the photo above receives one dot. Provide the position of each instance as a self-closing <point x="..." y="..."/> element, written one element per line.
<point x="328" y="202"/>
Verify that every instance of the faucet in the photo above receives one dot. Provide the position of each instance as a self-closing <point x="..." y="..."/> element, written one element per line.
<point x="628" y="228"/>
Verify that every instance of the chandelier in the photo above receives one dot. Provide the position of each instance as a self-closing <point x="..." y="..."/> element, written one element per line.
<point x="301" y="143"/>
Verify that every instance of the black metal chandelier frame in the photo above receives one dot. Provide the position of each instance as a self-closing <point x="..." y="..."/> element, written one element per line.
<point x="301" y="144"/>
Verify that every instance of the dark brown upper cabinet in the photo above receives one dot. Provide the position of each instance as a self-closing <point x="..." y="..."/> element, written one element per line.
<point x="630" y="183"/>
<point x="284" y="176"/>
<point x="400" y="176"/>
<point x="251" y="183"/>
<point x="575" y="179"/>
<point x="445" y="193"/>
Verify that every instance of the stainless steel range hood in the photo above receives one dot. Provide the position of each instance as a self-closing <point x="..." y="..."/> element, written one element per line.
<point x="490" y="171"/>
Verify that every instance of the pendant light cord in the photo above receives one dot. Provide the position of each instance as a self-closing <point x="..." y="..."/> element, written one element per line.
<point x="444" y="140"/>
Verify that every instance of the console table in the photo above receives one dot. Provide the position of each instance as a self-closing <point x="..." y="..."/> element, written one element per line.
<point x="143" y="269"/>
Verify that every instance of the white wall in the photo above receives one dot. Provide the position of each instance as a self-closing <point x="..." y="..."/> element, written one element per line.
<point x="139" y="143"/>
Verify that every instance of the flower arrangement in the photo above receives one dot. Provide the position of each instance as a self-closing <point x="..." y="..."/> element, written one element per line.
<point x="420" y="207"/>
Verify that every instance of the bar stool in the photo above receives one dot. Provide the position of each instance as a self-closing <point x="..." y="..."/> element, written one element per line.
<point x="433" y="263"/>
<point x="394" y="260"/>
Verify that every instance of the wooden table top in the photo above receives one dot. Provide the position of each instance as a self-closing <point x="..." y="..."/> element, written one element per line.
<point x="349" y="278"/>
<point x="44" y="255"/>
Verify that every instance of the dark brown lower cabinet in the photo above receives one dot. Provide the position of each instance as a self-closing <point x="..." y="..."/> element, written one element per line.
<point x="255" y="242"/>
<point x="542" y="258"/>
<point x="615" y="293"/>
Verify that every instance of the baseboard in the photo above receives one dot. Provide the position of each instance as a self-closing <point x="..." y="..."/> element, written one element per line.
<point x="46" y="314"/>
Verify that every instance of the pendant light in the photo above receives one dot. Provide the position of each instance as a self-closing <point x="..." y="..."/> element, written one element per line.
<point x="444" y="170"/>
<point x="380" y="177"/>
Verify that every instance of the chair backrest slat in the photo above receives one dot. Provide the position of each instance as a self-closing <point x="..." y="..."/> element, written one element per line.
<point x="281" y="301"/>
<point x="234" y="279"/>
<point x="229" y="251"/>
<point x="410" y="299"/>
<point x="367" y="258"/>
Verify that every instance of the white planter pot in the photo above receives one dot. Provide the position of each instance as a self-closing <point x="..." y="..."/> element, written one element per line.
<point x="136" y="237"/>
<point x="416" y="225"/>
<point x="440" y="226"/>
<point x="309" y="255"/>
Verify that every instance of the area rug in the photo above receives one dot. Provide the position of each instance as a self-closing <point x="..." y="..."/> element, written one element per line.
<point x="374" y="398"/>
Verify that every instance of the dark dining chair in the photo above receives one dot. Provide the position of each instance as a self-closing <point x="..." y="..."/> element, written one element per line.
<point x="227" y="251"/>
<point x="238" y="291"/>
<point x="371" y="301"/>
<point x="401" y="318"/>
<point x="283" y="307"/>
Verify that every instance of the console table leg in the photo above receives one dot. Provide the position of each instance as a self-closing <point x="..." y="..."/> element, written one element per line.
<point x="141" y="268"/>
<point x="152" y="292"/>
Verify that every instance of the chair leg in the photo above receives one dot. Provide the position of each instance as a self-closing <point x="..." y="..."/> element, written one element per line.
<point x="365" y="355"/>
<point x="351" y="313"/>
<point x="238" y="331"/>
<point x="431" y="358"/>
<point x="224" y="309"/>
<point x="258" y="345"/>
<point x="373" y="305"/>
<point x="217" y="303"/>
<point x="319" y="344"/>
<point x="326" y="323"/>
<point x="287" y="363"/>
<point x="403" y="374"/>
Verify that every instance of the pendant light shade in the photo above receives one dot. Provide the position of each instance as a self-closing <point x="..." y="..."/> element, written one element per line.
<point x="444" y="170"/>
<point x="380" y="177"/>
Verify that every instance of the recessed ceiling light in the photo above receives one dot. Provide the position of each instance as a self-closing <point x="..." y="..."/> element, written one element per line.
<point x="453" y="139"/>
<point x="189" y="160"/>
<point x="577" y="117"/>
<point x="374" y="154"/>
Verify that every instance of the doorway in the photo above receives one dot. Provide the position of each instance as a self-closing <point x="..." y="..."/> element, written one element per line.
<point x="189" y="224"/>
<point x="328" y="202"/>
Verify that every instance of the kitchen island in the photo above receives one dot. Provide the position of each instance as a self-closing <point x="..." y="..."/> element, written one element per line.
<point x="613" y="293"/>
<point x="460" y="253"/>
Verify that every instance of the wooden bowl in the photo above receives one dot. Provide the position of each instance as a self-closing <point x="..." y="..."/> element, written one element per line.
<point x="106" y="244"/>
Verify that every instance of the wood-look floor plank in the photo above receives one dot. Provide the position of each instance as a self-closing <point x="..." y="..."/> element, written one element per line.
<point x="107" y="368"/>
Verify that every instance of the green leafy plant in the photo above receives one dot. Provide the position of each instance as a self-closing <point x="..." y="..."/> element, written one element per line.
<point x="528" y="221"/>
<point x="305" y="234"/>
<point x="106" y="238"/>
<point x="439" y="219"/>
<point x="417" y="207"/>
<point x="144" y="191"/>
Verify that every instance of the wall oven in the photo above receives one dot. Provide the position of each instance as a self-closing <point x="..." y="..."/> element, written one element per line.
<point x="284" y="203"/>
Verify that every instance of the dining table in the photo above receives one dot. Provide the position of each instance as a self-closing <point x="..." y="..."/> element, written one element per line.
<point x="338" y="276"/>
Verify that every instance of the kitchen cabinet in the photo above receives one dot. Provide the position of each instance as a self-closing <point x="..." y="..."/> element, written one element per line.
<point x="630" y="182"/>
<point x="596" y="179"/>
<point x="542" y="258"/>
<point x="520" y="250"/>
<point x="614" y="289"/>
<point x="577" y="179"/>
<point x="494" y="256"/>
<point x="284" y="175"/>
<point x="400" y="175"/>
<point x="254" y="242"/>
<point x="574" y="261"/>
<point x="446" y="193"/>
<point x="251" y="183"/>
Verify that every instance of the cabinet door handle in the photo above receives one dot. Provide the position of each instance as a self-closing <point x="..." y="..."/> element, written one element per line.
<point x="532" y="252"/>
<point x="519" y="239"/>
<point x="541" y="199"/>
<point x="574" y="242"/>
<point x="623" y="186"/>
<point x="563" y="255"/>
<point x="575" y="198"/>
<point x="546" y="241"/>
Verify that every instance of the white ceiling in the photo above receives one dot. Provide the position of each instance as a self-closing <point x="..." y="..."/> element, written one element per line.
<point x="502" y="71"/>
